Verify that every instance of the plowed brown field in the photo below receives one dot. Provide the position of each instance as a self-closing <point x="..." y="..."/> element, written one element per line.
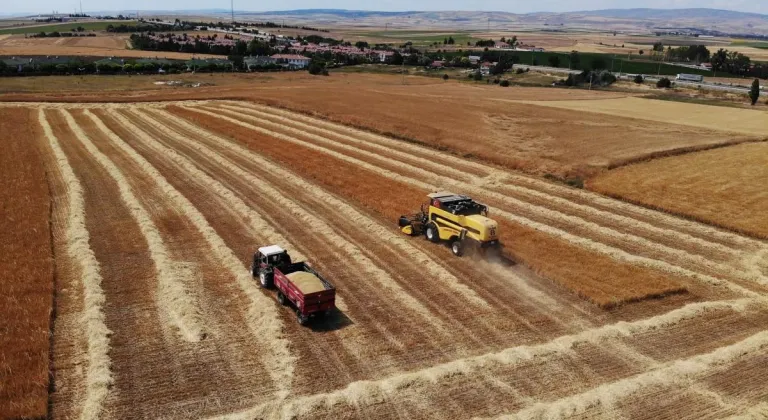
<point x="159" y="207"/>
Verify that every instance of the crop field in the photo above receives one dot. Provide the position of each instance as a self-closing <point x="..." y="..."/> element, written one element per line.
<point x="734" y="120"/>
<point x="98" y="46"/>
<point x="65" y="27"/>
<point x="517" y="128"/>
<point x="598" y="308"/>
<point x="729" y="191"/>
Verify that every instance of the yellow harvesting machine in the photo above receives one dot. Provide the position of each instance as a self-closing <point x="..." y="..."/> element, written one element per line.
<point x="455" y="218"/>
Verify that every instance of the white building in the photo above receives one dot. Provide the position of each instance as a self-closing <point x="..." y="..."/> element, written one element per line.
<point x="292" y="60"/>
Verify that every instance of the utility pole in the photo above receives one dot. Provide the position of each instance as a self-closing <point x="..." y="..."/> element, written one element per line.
<point x="232" y="5"/>
<point x="658" y="73"/>
<point x="81" y="7"/>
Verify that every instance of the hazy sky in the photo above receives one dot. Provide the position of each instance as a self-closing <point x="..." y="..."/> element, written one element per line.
<point x="64" y="6"/>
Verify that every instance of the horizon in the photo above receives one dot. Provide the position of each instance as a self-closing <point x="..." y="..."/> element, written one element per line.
<point x="45" y="7"/>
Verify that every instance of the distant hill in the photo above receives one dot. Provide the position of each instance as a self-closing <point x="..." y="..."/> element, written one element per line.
<point x="705" y="21"/>
<point x="697" y="13"/>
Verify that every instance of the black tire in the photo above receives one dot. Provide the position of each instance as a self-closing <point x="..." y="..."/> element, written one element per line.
<point x="432" y="233"/>
<point x="266" y="279"/>
<point x="301" y="318"/>
<point x="281" y="298"/>
<point x="457" y="248"/>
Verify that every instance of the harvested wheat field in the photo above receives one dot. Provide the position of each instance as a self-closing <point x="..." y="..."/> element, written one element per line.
<point x="98" y="46"/>
<point x="477" y="122"/>
<point x="734" y="120"/>
<point x="724" y="187"/>
<point x="597" y="308"/>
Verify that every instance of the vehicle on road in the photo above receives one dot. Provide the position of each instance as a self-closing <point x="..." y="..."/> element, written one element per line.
<point x="690" y="77"/>
<point x="454" y="218"/>
<point x="298" y="284"/>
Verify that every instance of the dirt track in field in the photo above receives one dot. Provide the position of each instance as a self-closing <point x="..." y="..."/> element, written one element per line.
<point x="196" y="187"/>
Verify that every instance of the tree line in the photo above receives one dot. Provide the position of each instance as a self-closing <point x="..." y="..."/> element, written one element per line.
<point x="57" y="34"/>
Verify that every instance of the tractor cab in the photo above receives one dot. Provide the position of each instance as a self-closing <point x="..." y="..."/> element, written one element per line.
<point x="459" y="205"/>
<point x="269" y="256"/>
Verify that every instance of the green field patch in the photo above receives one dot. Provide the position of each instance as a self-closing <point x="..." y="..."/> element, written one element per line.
<point x="753" y="44"/>
<point x="421" y="37"/>
<point x="65" y="27"/>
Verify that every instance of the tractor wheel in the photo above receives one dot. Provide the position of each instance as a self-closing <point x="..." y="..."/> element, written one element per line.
<point x="457" y="248"/>
<point x="432" y="233"/>
<point x="265" y="279"/>
<point x="281" y="298"/>
<point x="301" y="318"/>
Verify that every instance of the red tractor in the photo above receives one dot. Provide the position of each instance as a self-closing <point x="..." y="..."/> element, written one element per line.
<point x="298" y="285"/>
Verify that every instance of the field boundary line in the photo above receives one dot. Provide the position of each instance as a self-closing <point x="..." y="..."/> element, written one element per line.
<point x="682" y="372"/>
<point x="680" y="222"/>
<point x="262" y="316"/>
<point x="482" y="181"/>
<point x="174" y="298"/>
<point x="586" y="243"/>
<point x="353" y="251"/>
<point x="357" y="392"/>
<point x="355" y="215"/>
<point x="98" y="371"/>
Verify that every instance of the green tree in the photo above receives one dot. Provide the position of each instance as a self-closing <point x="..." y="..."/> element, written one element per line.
<point x="258" y="48"/>
<point x="451" y="41"/>
<point x="664" y="83"/>
<point x="3" y="67"/>
<point x="361" y="44"/>
<point x="639" y="79"/>
<point x="316" y="67"/>
<point x="754" y="92"/>
<point x="598" y="63"/>
<point x="554" y="61"/>
<point x="477" y="76"/>
<point x="658" y="46"/>
<point x="574" y="59"/>
<point x="445" y="77"/>
<point x="396" y="59"/>
<point x="237" y="60"/>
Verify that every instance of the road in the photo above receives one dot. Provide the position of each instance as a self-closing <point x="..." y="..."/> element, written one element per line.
<point x="649" y="78"/>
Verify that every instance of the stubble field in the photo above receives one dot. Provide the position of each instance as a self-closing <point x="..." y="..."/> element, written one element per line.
<point x="611" y="310"/>
<point x="98" y="46"/>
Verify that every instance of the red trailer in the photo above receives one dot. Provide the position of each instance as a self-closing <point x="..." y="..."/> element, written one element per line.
<point x="298" y="284"/>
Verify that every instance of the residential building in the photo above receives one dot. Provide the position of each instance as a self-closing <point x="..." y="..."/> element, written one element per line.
<point x="259" y="61"/>
<point x="292" y="60"/>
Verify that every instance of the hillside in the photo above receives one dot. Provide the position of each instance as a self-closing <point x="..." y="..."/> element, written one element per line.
<point x="626" y="20"/>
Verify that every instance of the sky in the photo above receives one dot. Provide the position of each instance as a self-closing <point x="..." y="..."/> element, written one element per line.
<point x="515" y="6"/>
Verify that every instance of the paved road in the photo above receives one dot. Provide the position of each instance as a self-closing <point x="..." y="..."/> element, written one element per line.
<point x="649" y="78"/>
